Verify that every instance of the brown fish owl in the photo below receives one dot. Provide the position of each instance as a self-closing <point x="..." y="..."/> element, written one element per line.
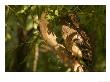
<point x="77" y="42"/>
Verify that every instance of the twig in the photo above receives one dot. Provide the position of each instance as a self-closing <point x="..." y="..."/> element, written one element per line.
<point x="35" y="58"/>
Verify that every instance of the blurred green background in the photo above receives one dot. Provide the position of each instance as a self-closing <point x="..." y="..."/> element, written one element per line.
<point x="25" y="49"/>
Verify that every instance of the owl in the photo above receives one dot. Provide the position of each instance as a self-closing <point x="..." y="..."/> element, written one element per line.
<point x="77" y="42"/>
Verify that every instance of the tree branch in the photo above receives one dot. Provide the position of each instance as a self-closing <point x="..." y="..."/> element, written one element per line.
<point x="49" y="38"/>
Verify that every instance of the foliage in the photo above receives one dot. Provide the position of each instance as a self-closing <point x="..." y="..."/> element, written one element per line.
<point x="23" y="19"/>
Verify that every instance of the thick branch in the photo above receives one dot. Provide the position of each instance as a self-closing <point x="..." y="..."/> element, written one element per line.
<point x="49" y="38"/>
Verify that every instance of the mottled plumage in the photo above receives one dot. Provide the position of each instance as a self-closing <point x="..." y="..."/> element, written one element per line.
<point x="76" y="41"/>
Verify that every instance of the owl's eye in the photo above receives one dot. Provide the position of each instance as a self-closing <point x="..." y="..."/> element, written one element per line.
<point x="69" y="23"/>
